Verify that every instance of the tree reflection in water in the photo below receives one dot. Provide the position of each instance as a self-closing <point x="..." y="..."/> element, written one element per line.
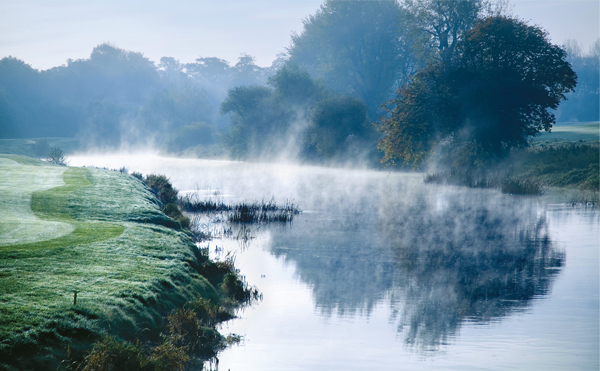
<point x="439" y="258"/>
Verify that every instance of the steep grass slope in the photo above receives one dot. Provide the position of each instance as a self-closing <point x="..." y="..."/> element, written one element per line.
<point x="93" y="232"/>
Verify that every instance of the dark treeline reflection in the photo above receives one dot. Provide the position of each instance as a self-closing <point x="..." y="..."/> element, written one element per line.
<point x="438" y="260"/>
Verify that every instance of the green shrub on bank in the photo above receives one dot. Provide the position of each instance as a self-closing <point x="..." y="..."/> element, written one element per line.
<point x="164" y="191"/>
<point x="189" y="335"/>
<point x="111" y="354"/>
<point x="162" y="188"/>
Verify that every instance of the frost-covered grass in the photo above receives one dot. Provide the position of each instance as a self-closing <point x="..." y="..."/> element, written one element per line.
<point x="127" y="268"/>
<point x="18" y="223"/>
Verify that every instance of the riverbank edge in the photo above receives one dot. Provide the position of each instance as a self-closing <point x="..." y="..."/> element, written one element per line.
<point x="66" y="332"/>
<point x="571" y="167"/>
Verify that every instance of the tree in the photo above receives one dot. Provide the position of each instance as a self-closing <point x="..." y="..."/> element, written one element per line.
<point x="295" y="86"/>
<point x="338" y="125"/>
<point x="57" y="156"/>
<point x="21" y="99"/>
<point x="257" y="122"/>
<point x="246" y="72"/>
<point x="584" y="103"/>
<point x="493" y="95"/>
<point x="295" y="114"/>
<point x="440" y="24"/>
<point x="358" y="48"/>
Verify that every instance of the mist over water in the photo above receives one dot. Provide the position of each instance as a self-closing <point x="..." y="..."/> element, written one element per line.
<point x="382" y="271"/>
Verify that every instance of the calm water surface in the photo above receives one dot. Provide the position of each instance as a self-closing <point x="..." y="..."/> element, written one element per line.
<point x="383" y="272"/>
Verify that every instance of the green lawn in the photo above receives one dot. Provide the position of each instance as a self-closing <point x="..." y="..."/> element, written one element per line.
<point x="572" y="132"/>
<point x="95" y="232"/>
<point x="18" y="223"/>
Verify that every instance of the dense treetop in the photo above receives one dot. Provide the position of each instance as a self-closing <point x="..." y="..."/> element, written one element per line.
<point x="359" y="48"/>
<point x="492" y="95"/>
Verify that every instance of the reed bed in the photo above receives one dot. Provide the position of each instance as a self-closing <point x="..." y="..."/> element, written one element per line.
<point x="244" y="212"/>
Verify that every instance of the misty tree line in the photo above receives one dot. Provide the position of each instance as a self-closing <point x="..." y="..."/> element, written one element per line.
<point x="319" y="100"/>
<point x="118" y="95"/>
<point x="583" y="104"/>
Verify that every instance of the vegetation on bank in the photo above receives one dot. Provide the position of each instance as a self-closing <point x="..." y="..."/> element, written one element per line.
<point x="529" y="171"/>
<point x="101" y="259"/>
<point x="573" y="165"/>
<point x="164" y="191"/>
<point x="244" y="212"/>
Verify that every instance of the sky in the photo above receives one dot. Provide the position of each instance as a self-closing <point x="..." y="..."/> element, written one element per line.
<point x="45" y="33"/>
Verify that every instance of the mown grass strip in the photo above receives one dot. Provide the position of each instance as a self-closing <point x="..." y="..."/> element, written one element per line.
<point x="51" y="205"/>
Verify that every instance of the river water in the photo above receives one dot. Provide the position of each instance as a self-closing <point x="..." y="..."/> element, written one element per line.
<point x="383" y="272"/>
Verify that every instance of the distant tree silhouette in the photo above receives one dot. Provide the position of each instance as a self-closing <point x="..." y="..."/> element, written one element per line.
<point x="57" y="156"/>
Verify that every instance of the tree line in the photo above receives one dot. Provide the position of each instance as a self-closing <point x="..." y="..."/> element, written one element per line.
<point x="117" y="95"/>
<point x="363" y="80"/>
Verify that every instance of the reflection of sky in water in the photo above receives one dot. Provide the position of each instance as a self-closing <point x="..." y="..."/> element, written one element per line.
<point x="386" y="273"/>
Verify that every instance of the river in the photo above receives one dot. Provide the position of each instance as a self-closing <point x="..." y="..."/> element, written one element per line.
<point x="383" y="272"/>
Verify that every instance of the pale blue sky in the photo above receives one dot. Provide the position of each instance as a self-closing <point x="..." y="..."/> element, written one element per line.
<point x="44" y="33"/>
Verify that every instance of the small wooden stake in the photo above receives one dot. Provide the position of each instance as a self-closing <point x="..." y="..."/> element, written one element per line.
<point x="75" y="298"/>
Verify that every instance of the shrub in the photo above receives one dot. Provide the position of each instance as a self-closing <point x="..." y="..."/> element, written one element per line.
<point x="233" y="288"/>
<point x="110" y="354"/>
<point x="186" y="330"/>
<point x="137" y="175"/>
<point x="57" y="156"/>
<point x="169" y="356"/>
<point x="184" y="221"/>
<point x="171" y="211"/>
<point x="206" y="311"/>
<point x="162" y="188"/>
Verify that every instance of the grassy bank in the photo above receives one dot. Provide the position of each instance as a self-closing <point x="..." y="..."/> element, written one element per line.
<point x="568" y="157"/>
<point x="573" y="165"/>
<point x="97" y="234"/>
